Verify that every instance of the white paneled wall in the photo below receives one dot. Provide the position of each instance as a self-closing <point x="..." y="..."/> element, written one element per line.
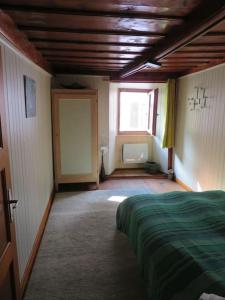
<point x="200" y="134"/>
<point x="30" y="148"/>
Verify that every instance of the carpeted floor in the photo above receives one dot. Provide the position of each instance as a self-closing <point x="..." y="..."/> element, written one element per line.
<point x="82" y="255"/>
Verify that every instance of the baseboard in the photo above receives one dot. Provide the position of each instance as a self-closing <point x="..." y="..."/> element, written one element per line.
<point x="36" y="245"/>
<point x="186" y="187"/>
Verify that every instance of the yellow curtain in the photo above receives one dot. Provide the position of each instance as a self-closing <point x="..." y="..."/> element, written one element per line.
<point x="168" y="138"/>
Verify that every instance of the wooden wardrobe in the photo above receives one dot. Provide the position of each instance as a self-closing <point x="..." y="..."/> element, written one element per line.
<point x="75" y="136"/>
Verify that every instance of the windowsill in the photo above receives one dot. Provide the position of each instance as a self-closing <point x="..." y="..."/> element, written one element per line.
<point x="134" y="133"/>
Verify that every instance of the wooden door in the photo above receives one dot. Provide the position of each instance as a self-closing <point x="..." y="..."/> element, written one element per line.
<point x="9" y="279"/>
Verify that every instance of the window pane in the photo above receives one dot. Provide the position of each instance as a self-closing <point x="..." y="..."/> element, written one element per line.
<point x="134" y="111"/>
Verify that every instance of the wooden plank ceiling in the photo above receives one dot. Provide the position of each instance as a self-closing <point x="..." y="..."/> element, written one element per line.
<point x="116" y="37"/>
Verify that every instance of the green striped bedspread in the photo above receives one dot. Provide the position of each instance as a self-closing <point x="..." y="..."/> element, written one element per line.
<point x="179" y="240"/>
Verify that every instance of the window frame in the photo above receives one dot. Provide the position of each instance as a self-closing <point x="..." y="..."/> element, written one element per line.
<point x="152" y="130"/>
<point x="153" y="127"/>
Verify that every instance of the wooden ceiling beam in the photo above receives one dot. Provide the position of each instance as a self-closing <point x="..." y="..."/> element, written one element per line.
<point x="187" y="58"/>
<point x="75" y="70"/>
<point x="87" y="50"/>
<point x="87" y="55"/>
<point x="158" y="77"/>
<point x="200" y="51"/>
<point x="206" y="45"/>
<point x="161" y="77"/>
<point x="86" y="69"/>
<point x="215" y="33"/>
<point x="202" y="67"/>
<point x="59" y="41"/>
<point x="86" y="65"/>
<point x="181" y="64"/>
<point x="208" y="14"/>
<point x="86" y="62"/>
<point x="87" y="13"/>
<point x="91" y="31"/>
<point x="47" y="56"/>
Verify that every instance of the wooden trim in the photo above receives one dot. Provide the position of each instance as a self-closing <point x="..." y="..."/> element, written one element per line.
<point x="57" y="95"/>
<point x="16" y="263"/>
<point x="118" y="111"/>
<point x="54" y="137"/>
<point x="77" y="178"/>
<point x="133" y="133"/>
<point x="170" y="158"/>
<point x="36" y="245"/>
<point x="9" y="30"/>
<point x="6" y="261"/>
<point x="10" y="258"/>
<point x="155" y="111"/>
<point x="154" y="176"/>
<point x="134" y="90"/>
<point x="183" y="185"/>
<point x="129" y="90"/>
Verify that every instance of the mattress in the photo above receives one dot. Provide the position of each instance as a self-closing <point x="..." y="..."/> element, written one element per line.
<point x="179" y="240"/>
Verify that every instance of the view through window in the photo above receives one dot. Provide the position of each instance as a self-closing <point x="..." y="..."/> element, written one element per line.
<point x="136" y="111"/>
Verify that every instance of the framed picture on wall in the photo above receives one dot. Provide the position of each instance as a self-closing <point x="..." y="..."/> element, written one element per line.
<point x="30" y="96"/>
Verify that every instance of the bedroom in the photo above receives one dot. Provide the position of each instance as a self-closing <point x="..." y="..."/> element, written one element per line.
<point x="100" y="48"/>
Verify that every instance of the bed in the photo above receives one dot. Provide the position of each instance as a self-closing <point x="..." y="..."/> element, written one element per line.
<point x="179" y="240"/>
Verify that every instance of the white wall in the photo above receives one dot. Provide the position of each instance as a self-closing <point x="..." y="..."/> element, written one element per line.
<point x="102" y="85"/>
<point x="200" y="134"/>
<point x="30" y="148"/>
<point x="156" y="153"/>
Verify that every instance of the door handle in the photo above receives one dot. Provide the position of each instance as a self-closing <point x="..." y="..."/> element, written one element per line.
<point x="13" y="203"/>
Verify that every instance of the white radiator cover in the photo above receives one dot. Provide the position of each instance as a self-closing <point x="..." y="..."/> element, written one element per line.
<point x="134" y="153"/>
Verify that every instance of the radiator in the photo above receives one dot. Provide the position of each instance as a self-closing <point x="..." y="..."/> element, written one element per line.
<point x="134" y="153"/>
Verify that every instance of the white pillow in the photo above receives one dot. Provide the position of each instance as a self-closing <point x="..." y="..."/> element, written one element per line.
<point x="205" y="296"/>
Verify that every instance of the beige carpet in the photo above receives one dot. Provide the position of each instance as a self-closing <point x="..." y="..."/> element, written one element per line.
<point x="82" y="255"/>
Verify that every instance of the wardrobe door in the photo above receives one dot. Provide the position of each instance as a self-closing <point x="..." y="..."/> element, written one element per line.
<point x="76" y="138"/>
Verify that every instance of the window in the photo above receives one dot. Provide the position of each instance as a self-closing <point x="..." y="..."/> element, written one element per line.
<point x="137" y="111"/>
